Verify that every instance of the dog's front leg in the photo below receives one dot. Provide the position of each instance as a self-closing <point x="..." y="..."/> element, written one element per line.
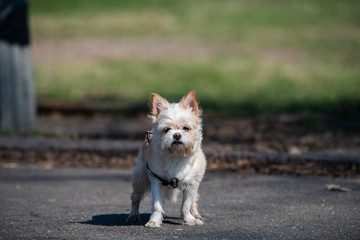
<point x="189" y="193"/>
<point x="157" y="209"/>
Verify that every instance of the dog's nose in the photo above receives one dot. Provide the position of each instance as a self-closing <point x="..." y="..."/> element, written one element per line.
<point x="177" y="136"/>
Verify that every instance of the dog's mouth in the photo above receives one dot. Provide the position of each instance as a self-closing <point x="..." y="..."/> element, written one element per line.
<point x="177" y="143"/>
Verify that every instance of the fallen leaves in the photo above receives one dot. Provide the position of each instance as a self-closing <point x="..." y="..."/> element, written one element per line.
<point x="337" y="188"/>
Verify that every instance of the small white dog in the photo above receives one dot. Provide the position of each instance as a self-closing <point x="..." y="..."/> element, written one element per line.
<point x="171" y="160"/>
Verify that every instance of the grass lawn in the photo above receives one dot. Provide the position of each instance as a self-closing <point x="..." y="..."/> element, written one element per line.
<point x="246" y="56"/>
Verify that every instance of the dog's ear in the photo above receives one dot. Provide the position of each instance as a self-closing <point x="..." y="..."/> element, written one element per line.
<point x="190" y="101"/>
<point x="158" y="104"/>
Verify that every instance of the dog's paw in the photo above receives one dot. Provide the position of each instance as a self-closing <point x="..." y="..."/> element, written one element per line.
<point x="199" y="217"/>
<point x="133" y="218"/>
<point x="194" y="222"/>
<point x="153" y="224"/>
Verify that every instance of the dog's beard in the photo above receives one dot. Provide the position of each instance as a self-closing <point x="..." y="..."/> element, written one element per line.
<point x="183" y="147"/>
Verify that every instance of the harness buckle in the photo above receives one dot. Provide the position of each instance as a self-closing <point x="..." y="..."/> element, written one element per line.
<point x="147" y="135"/>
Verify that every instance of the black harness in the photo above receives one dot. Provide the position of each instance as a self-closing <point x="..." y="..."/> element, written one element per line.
<point x="174" y="182"/>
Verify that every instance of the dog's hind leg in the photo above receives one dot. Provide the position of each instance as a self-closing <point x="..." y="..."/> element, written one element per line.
<point x="134" y="213"/>
<point x="141" y="185"/>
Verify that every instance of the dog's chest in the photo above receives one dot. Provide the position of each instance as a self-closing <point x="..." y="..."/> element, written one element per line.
<point x="179" y="170"/>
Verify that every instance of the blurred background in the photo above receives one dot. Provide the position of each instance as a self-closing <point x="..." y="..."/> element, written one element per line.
<point x="273" y="77"/>
<point x="241" y="56"/>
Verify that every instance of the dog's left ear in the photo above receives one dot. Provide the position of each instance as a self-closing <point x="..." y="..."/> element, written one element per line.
<point x="190" y="101"/>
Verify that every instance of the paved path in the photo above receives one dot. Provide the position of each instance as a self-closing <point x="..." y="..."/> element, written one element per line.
<point x="72" y="203"/>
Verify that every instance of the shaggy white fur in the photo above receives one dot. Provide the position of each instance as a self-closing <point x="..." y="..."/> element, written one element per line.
<point x="173" y="152"/>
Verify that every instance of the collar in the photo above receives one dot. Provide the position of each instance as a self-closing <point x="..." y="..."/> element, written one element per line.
<point x="174" y="182"/>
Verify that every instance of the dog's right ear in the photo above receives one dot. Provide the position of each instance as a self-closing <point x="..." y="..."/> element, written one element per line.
<point x="158" y="104"/>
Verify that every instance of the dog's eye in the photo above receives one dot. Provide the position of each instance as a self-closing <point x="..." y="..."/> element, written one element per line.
<point x="187" y="128"/>
<point x="166" y="130"/>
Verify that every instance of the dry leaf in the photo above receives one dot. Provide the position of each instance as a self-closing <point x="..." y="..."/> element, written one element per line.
<point x="337" y="188"/>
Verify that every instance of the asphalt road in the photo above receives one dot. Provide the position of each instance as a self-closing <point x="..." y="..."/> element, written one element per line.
<point x="70" y="203"/>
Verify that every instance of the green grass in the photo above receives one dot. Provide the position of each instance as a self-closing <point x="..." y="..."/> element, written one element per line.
<point x="244" y="56"/>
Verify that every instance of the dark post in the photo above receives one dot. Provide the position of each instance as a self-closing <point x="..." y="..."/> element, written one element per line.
<point x="17" y="98"/>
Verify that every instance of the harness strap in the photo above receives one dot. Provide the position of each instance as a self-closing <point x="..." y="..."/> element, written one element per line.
<point x="174" y="182"/>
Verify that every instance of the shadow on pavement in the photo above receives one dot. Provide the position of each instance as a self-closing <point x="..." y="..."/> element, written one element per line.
<point x="115" y="220"/>
<point x="120" y="220"/>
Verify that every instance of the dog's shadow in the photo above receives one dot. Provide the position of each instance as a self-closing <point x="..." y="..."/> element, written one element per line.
<point x="120" y="220"/>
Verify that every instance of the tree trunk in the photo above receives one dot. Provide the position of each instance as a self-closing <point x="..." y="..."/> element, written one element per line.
<point x="17" y="98"/>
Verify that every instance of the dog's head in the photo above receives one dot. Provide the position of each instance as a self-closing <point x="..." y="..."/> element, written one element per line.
<point x="176" y="126"/>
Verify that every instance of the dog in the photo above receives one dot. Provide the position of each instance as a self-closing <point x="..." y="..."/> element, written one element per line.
<point x="171" y="160"/>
